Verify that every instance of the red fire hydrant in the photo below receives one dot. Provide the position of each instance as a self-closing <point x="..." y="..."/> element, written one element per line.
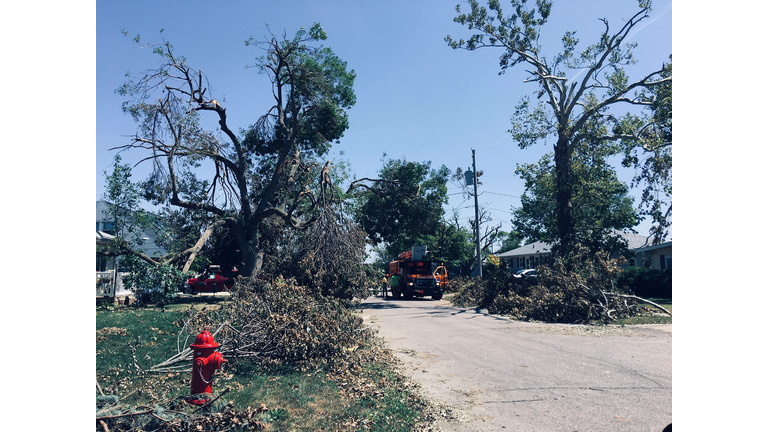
<point x="204" y="363"/>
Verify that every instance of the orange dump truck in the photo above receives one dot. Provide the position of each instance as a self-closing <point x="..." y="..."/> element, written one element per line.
<point x="420" y="276"/>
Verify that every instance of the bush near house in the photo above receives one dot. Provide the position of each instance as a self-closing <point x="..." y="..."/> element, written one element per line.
<point x="647" y="282"/>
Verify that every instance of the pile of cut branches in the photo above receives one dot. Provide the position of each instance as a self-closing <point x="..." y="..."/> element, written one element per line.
<point x="274" y="322"/>
<point x="583" y="292"/>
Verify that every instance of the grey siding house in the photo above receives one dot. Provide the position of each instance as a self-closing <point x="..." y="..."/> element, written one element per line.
<point x="538" y="253"/>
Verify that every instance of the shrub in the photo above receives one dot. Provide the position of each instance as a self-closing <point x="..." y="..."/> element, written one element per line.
<point x="646" y="282"/>
<point x="160" y="283"/>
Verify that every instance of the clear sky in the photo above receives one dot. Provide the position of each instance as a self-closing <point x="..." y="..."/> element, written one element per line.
<point x="416" y="97"/>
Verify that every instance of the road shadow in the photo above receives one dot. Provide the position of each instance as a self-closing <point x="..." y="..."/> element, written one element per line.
<point x="390" y="302"/>
<point x="441" y="309"/>
<point x="380" y="306"/>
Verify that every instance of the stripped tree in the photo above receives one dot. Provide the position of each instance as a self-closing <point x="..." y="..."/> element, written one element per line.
<point x="272" y="168"/>
<point x="572" y="110"/>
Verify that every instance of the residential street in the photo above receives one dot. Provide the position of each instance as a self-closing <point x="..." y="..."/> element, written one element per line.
<point x="490" y="373"/>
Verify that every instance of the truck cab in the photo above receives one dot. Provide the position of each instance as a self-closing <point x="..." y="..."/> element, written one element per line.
<point x="420" y="276"/>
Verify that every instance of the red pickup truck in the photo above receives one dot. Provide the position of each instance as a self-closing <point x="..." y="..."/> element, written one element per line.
<point x="212" y="280"/>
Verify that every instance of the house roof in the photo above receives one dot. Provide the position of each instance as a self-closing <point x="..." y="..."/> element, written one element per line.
<point x="529" y="249"/>
<point x="653" y="247"/>
<point x="634" y="242"/>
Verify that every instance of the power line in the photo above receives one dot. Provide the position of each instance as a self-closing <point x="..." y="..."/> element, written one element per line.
<point x="507" y="195"/>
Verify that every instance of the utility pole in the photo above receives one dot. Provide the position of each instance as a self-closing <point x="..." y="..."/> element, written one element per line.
<point x="477" y="220"/>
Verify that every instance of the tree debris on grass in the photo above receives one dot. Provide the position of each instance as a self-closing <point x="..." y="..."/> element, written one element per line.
<point x="583" y="291"/>
<point x="273" y="322"/>
<point x="275" y="325"/>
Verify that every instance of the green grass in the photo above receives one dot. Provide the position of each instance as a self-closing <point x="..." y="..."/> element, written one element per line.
<point x="373" y="397"/>
<point x="655" y="315"/>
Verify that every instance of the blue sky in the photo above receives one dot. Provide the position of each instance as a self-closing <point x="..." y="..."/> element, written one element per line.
<point x="416" y="97"/>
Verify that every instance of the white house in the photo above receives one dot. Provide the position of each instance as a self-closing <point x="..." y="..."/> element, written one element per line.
<point x="537" y="253"/>
<point x="103" y="263"/>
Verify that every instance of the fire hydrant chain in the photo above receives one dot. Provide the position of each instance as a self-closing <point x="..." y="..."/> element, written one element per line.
<point x="202" y="378"/>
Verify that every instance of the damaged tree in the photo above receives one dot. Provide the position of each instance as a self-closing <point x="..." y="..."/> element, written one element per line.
<point x="271" y="168"/>
<point x="572" y="110"/>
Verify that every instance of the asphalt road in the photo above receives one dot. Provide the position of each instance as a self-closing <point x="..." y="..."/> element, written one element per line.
<point x="490" y="373"/>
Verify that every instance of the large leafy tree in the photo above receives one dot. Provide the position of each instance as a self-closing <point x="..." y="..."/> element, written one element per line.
<point x="572" y="110"/>
<point x="268" y="170"/>
<point x="507" y="241"/>
<point x="600" y="200"/>
<point x="405" y="207"/>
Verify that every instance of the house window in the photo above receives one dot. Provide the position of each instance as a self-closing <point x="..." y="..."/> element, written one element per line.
<point x="662" y="262"/>
<point x="631" y="262"/>
<point x="108" y="227"/>
<point x="101" y="263"/>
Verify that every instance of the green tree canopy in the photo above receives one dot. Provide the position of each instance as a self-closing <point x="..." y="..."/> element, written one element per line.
<point x="507" y="241"/>
<point x="405" y="208"/>
<point x="600" y="200"/>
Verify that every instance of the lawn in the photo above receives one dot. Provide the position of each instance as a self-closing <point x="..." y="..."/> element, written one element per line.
<point x="372" y="396"/>
<point x="653" y="316"/>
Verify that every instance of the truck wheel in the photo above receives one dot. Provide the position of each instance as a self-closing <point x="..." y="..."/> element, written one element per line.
<point x="437" y="296"/>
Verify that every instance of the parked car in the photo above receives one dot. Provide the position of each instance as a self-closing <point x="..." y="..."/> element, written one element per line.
<point x="525" y="273"/>
<point x="212" y="280"/>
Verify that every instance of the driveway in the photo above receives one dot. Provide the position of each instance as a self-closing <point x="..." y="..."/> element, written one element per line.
<point x="490" y="373"/>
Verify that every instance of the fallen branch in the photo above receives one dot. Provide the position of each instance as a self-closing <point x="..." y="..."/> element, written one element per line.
<point x="185" y="355"/>
<point x="171" y="369"/>
<point x="139" y="370"/>
<point x="214" y="399"/>
<point x="125" y="415"/>
<point x="640" y="299"/>
<point x="116" y="404"/>
<point x="103" y="425"/>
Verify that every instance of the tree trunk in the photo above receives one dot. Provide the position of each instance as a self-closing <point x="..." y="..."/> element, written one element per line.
<point x="252" y="255"/>
<point x="564" y="192"/>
